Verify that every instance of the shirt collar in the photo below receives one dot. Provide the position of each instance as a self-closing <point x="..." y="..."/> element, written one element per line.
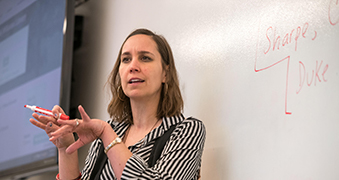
<point x="167" y="122"/>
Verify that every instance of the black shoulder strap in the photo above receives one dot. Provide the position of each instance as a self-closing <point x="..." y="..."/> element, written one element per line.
<point x="159" y="146"/>
<point x="99" y="164"/>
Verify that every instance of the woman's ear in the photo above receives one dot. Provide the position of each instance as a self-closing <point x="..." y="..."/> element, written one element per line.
<point x="165" y="74"/>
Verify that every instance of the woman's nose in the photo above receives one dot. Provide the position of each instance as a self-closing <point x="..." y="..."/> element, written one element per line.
<point x="134" y="65"/>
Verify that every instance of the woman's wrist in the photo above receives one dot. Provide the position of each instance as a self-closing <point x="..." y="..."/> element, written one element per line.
<point x="107" y="135"/>
<point x="68" y="164"/>
<point x="66" y="142"/>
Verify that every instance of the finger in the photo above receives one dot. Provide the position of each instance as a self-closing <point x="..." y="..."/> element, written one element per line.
<point x="57" y="110"/>
<point x="44" y="119"/>
<point x="83" y="114"/>
<point x="50" y="127"/>
<point x="39" y="118"/>
<point x="37" y="124"/>
<point x="74" y="123"/>
<point x="75" y="146"/>
<point x="61" y="131"/>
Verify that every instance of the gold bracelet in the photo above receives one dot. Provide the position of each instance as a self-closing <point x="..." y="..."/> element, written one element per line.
<point x="114" y="142"/>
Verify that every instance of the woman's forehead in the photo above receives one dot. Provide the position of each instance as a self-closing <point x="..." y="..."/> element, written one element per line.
<point x="139" y="42"/>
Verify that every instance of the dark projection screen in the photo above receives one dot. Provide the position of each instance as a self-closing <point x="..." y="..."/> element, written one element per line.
<point x="32" y="61"/>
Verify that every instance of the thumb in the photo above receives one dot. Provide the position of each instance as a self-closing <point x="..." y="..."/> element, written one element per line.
<point x="83" y="114"/>
<point x="75" y="146"/>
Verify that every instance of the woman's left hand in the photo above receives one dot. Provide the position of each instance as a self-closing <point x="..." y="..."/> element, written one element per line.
<point x="87" y="130"/>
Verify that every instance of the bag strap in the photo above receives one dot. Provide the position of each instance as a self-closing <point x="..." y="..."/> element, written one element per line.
<point x="99" y="164"/>
<point x="160" y="143"/>
<point x="159" y="146"/>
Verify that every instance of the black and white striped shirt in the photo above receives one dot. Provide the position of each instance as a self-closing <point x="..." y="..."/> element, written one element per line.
<point x="180" y="158"/>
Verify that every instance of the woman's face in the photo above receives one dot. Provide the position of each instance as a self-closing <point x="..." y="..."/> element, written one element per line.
<point x="141" y="69"/>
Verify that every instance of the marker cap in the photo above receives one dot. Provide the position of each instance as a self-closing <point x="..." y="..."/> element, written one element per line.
<point x="63" y="117"/>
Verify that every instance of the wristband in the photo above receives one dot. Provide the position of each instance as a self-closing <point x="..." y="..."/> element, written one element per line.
<point x="114" y="142"/>
<point x="78" y="178"/>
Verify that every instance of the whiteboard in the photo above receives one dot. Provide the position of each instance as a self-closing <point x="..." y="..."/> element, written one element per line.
<point x="262" y="75"/>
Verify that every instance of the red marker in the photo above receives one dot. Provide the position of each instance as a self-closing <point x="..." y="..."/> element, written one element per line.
<point x="46" y="112"/>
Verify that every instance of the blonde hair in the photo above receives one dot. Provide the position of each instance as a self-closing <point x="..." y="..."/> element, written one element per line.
<point x="170" y="103"/>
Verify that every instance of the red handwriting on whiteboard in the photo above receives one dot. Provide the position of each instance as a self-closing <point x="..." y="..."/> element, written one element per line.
<point x="318" y="74"/>
<point x="333" y="12"/>
<point x="275" y="42"/>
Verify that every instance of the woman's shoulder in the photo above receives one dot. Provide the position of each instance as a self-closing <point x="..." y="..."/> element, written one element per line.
<point x="116" y="124"/>
<point x="191" y="125"/>
<point x="190" y="133"/>
<point x="180" y="119"/>
<point x="193" y="119"/>
<point x="118" y="127"/>
<point x="112" y="122"/>
<point x="193" y="122"/>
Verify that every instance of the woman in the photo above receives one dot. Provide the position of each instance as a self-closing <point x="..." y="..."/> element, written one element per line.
<point x="146" y="104"/>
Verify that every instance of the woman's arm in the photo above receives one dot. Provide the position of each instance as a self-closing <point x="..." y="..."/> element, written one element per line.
<point x="89" y="130"/>
<point x="68" y="163"/>
<point x="119" y="154"/>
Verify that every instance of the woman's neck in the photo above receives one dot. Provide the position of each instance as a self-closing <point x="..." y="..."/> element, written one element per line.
<point x="144" y="113"/>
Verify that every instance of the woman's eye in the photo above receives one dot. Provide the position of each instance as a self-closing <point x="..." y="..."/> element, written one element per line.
<point x="146" y="58"/>
<point x="125" y="59"/>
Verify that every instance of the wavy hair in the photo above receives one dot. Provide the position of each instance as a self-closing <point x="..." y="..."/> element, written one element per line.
<point x="170" y="103"/>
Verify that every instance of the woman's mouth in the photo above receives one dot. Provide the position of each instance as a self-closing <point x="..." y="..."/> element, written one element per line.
<point x="135" y="81"/>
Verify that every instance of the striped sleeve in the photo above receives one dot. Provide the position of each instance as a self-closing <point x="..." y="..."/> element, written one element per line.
<point x="180" y="158"/>
<point x="91" y="159"/>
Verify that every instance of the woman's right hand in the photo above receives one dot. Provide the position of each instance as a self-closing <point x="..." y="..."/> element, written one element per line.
<point x="50" y="124"/>
<point x="87" y="130"/>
